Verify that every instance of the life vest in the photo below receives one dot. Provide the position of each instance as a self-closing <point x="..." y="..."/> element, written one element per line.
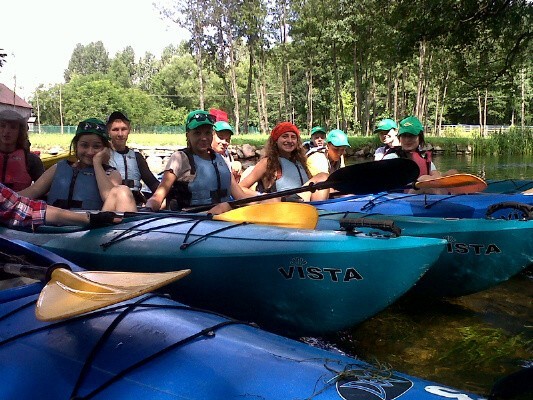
<point x="126" y="164"/>
<point x="75" y="187"/>
<point x="292" y="175"/>
<point x="14" y="170"/>
<point x="423" y="160"/>
<point x="321" y="149"/>
<point x="211" y="182"/>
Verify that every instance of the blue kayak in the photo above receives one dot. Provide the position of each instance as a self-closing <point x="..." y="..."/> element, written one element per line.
<point x="298" y="282"/>
<point x="480" y="253"/>
<point x="473" y="205"/>
<point x="155" y="348"/>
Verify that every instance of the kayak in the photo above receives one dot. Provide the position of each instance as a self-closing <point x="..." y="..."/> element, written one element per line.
<point x="508" y="186"/>
<point x="299" y="282"/>
<point x="50" y="159"/>
<point x="474" y="205"/>
<point x="480" y="253"/>
<point x="154" y="348"/>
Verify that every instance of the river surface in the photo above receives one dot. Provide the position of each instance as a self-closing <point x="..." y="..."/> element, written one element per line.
<point x="468" y="342"/>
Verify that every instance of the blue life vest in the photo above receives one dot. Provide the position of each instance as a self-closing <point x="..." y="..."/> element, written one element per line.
<point x="293" y="175"/>
<point x="126" y="164"/>
<point x="211" y="182"/>
<point x="75" y="188"/>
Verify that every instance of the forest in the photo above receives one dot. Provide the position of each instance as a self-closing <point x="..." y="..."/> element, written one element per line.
<point x="337" y="63"/>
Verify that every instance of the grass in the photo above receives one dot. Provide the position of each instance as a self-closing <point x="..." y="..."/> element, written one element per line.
<point x="514" y="141"/>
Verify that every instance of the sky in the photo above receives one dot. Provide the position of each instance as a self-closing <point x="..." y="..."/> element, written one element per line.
<point x="39" y="36"/>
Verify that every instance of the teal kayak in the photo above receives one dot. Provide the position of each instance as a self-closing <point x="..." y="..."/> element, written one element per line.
<point x="480" y="253"/>
<point x="154" y="348"/>
<point x="299" y="282"/>
<point x="508" y="186"/>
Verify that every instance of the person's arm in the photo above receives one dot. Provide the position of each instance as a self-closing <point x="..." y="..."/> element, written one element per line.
<point x="160" y="194"/>
<point x="146" y="175"/>
<point x="35" y="166"/>
<point x="59" y="216"/>
<point x="105" y="182"/>
<point x="41" y="186"/>
<point x="256" y="175"/>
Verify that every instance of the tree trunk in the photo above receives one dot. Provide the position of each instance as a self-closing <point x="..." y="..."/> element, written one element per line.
<point x="309" y="81"/>
<point x="421" y="78"/>
<point x="247" y="95"/>
<point x="357" y="91"/>
<point x="523" y="98"/>
<point x="233" y="83"/>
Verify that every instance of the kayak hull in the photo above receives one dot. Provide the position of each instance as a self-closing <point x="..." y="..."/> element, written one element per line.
<point x="480" y="253"/>
<point x="155" y="348"/>
<point x="299" y="282"/>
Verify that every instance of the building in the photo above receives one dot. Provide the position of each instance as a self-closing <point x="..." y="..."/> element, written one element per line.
<point x="10" y="101"/>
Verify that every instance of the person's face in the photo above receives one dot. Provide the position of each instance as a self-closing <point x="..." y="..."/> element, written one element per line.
<point x="200" y="139"/>
<point x="221" y="141"/>
<point x="335" y="152"/>
<point x="319" y="139"/>
<point x="409" y="142"/>
<point x="9" y="132"/>
<point x="88" y="145"/>
<point x="387" y="137"/>
<point x="287" y="143"/>
<point x="118" y="132"/>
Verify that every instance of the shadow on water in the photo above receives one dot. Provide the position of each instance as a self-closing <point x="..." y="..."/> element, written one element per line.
<point x="468" y="343"/>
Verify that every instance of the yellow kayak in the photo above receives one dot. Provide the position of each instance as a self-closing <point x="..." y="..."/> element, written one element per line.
<point x="50" y="159"/>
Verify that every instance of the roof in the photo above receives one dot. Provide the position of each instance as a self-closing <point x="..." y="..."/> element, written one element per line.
<point x="7" y="95"/>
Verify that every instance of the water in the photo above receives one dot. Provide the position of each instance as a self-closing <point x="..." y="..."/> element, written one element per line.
<point x="469" y="342"/>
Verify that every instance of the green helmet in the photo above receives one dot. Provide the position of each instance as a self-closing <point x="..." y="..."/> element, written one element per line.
<point x="411" y="125"/>
<point x="386" y="125"/>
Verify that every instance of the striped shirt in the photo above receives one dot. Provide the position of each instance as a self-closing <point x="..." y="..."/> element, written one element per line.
<point x="16" y="210"/>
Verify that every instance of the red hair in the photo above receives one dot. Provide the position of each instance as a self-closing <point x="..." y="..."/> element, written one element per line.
<point x="281" y="128"/>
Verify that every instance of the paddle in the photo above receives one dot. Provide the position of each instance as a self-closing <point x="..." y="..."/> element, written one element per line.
<point x="67" y="294"/>
<point x="286" y="215"/>
<point x="462" y="183"/>
<point x="363" y="178"/>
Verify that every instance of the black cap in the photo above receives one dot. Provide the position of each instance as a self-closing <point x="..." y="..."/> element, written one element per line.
<point x="117" y="115"/>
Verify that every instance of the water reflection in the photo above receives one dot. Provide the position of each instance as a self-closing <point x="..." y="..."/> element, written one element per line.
<point x="468" y="343"/>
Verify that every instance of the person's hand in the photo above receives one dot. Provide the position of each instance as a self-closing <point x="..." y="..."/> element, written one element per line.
<point x="103" y="218"/>
<point x="102" y="157"/>
<point x="152" y="205"/>
<point x="220" y="208"/>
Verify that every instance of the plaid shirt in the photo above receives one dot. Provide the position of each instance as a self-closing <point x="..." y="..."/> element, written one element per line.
<point x="16" y="210"/>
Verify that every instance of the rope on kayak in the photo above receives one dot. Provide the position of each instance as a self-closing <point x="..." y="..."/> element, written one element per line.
<point x="372" y="202"/>
<point x="185" y="245"/>
<point x="206" y="332"/>
<point x="133" y="232"/>
<point x="127" y="309"/>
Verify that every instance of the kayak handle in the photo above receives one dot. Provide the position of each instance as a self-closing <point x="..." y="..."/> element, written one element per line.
<point x="349" y="224"/>
<point x="517" y="210"/>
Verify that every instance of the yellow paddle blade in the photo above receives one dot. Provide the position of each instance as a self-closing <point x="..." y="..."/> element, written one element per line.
<point x="68" y="294"/>
<point x="283" y="214"/>
<point x="459" y="183"/>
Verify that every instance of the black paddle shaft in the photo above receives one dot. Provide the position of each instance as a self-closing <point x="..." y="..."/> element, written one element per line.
<point x="363" y="178"/>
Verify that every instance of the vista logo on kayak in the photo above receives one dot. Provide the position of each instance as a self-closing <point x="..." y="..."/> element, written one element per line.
<point x="298" y="269"/>
<point x="464" y="248"/>
<point x="372" y="385"/>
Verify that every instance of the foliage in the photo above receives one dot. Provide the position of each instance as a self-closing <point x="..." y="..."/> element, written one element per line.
<point x="336" y="63"/>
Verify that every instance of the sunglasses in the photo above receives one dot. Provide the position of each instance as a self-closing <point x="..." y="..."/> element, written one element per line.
<point x="87" y="126"/>
<point x="202" y="117"/>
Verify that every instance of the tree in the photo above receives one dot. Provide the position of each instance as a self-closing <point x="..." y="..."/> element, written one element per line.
<point x="86" y="60"/>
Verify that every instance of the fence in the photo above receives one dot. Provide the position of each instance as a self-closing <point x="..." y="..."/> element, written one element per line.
<point x="69" y="129"/>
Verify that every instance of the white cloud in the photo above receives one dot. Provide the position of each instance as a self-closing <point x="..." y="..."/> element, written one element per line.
<point x="40" y="35"/>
